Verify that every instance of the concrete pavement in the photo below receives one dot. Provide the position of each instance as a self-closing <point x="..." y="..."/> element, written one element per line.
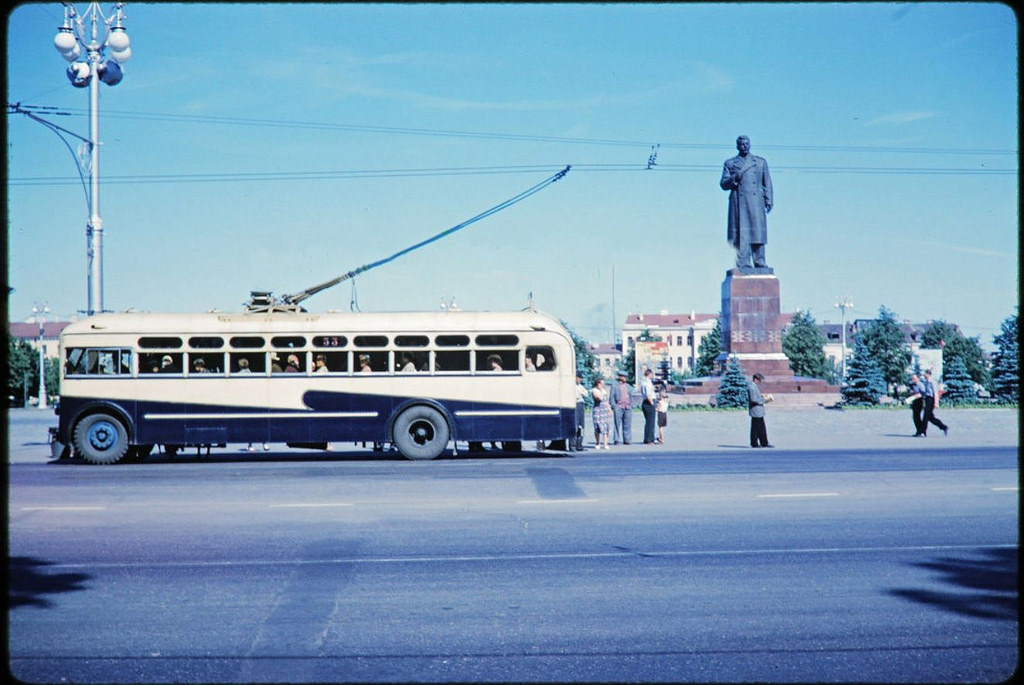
<point x="701" y="430"/>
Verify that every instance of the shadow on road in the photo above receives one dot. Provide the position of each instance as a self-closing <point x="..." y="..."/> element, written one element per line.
<point x="981" y="587"/>
<point x="27" y="584"/>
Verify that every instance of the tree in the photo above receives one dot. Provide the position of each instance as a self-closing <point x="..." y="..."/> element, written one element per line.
<point x="586" y="362"/>
<point x="1005" y="383"/>
<point x="864" y="381"/>
<point x="804" y="345"/>
<point x="959" y="384"/>
<point x="708" y="350"/>
<point x="732" y="389"/>
<point x="953" y="343"/>
<point x="884" y="340"/>
<point x="22" y="370"/>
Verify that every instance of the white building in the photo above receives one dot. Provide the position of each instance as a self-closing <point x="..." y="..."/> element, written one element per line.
<point x="682" y="332"/>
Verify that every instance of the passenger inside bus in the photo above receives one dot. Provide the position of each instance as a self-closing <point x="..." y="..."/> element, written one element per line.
<point x="243" y="366"/>
<point x="199" y="366"/>
<point x="293" y="364"/>
<point x="494" y="362"/>
<point x="364" y="364"/>
<point x="406" y="365"/>
<point x="320" y="364"/>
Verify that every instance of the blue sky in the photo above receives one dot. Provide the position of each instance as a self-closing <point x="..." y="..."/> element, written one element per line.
<point x="276" y="146"/>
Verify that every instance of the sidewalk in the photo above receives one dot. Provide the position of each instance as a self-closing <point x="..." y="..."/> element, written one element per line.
<point x="808" y="429"/>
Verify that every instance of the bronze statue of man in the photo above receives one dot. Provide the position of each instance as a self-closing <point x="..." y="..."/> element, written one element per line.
<point x="746" y="178"/>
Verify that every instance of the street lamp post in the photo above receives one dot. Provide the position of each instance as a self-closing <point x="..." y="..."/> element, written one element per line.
<point x="843" y="303"/>
<point x="74" y="39"/>
<point x="40" y="315"/>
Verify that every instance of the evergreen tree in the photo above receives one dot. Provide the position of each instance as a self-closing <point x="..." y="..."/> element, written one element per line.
<point x="959" y="384"/>
<point x="864" y="381"/>
<point x="804" y="345"/>
<point x="708" y="350"/>
<point x="1006" y="363"/>
<point x="888" y="347"/>
<point x="732" y="390"/>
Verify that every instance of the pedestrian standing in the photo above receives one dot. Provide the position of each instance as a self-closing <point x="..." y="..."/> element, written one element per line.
<point x="602" y="414"/>
<point x="916" y="402"/>
<point x="756" y="402"/>
<point x="581" y="408"/>
<point x="931" y="400"/>
<point x="622" y="406"/>
<point x="648" y="400"/>
<point x="662" y="409"/>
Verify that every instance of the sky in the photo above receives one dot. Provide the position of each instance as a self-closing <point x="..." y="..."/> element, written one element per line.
<point x="277" y="146"/>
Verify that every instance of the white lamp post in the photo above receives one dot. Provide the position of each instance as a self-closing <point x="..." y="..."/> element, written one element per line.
<point x="72" y="40"/>
<point x="843" y="303"/>
<point x="40" y="315"/>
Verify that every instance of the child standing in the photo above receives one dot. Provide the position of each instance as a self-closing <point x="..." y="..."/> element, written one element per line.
<point x="662" y="409"/>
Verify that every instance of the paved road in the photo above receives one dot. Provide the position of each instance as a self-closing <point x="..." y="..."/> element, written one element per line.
<point x="866" y="563"/>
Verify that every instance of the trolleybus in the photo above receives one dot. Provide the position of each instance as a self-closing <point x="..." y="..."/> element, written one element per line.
<point x="417" y="381"/>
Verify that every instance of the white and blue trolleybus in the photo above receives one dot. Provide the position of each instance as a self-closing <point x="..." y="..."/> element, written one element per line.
<point x="417" y="381"/>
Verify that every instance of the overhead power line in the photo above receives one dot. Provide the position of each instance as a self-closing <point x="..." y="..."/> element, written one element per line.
<point x="399" y="130"/>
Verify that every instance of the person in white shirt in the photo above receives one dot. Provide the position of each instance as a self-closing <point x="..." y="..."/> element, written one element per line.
<point x="648" y="399"/>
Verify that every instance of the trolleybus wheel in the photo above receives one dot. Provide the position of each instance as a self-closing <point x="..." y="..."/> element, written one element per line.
<point x="101" y="439"/>
<point x="420" y="432"/>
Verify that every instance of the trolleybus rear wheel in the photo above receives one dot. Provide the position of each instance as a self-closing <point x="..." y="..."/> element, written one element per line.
<point x="420" y="432"/>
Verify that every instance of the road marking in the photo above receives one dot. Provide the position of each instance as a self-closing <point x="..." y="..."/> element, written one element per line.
<point x="311" y="505"/>
<point x="799" y="494"/>
<point x="554" y="556"/>
<point x="556" y="501"/>
<point x="63" y="508"/>
<point x="1010" y="489"/>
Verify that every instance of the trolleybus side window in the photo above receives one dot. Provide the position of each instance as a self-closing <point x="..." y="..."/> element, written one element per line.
<point x="248" y="362"/>
<point x="159" y="362"/>
<point x="158" y="343"/>
<point x="83" y="361"/>
<point x="369" y="360"/>
<point x="206" y="342"/>
<point x="488" y="361"/>
<point x="334" y="361"/>
<point x="540" y="358"/>
<point x="447" y="359"/>
<point x="247" y="342"/>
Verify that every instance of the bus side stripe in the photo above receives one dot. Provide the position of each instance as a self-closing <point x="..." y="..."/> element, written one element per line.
<point x="267" y="415"/>
<point x="551" y="412"/>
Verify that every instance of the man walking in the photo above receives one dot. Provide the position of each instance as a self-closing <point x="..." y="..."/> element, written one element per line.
<point x="622" y="406"/>
<point x="755" y="402"/>
<point x="917" y="405"/>
<point x="648" y="399"/>
<point x="931" y="398"/>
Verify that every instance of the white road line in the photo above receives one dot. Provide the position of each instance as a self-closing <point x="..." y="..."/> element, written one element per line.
<point x="798" y="494"/>
<point x="311" y="505"/>
<point x="555" y="501"/>
<point x="540" y="556"/>
<point x="1010" y="489"/>
<point x="63" y="508"/>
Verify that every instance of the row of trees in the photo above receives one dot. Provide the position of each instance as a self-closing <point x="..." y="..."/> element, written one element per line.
<point x="880" y="361"/>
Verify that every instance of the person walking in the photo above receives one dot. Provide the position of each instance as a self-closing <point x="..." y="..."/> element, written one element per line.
<point x="622" y="405"/>
<point x="647" y="403"/>
<point x="931" y="400"/>
<point x="602" y="413"/>
<point x="756" y="402"/>
<point x="916" y="402"/>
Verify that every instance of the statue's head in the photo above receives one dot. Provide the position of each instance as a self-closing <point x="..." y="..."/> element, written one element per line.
<point x="743" y="144"/>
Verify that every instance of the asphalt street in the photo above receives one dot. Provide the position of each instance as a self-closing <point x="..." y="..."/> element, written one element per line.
<point x="871" y="557"/>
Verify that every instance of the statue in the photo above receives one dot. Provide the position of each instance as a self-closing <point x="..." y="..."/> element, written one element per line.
<point x="746" y="178"/>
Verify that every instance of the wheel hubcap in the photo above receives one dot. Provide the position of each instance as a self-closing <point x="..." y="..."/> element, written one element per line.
<point x="102" y="436"/>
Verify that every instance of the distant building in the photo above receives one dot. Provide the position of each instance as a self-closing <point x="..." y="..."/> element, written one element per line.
<point x="913" y="334"/>
<point x="608" y="357"/>
<point x="29" y="332"/>
<point x="682" y="332"/>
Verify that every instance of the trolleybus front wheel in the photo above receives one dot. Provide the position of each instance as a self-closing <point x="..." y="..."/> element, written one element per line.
<point x="101" y="439"/>
<point x="420" y="433"/>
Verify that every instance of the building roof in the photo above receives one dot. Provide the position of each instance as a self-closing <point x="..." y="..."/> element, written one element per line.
<point x="30" y="331"/>
<point x="665" y="320"/>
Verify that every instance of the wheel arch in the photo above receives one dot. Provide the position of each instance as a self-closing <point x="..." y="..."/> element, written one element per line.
<point x="419" y="402"/>
<point x="103" y="407"/>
